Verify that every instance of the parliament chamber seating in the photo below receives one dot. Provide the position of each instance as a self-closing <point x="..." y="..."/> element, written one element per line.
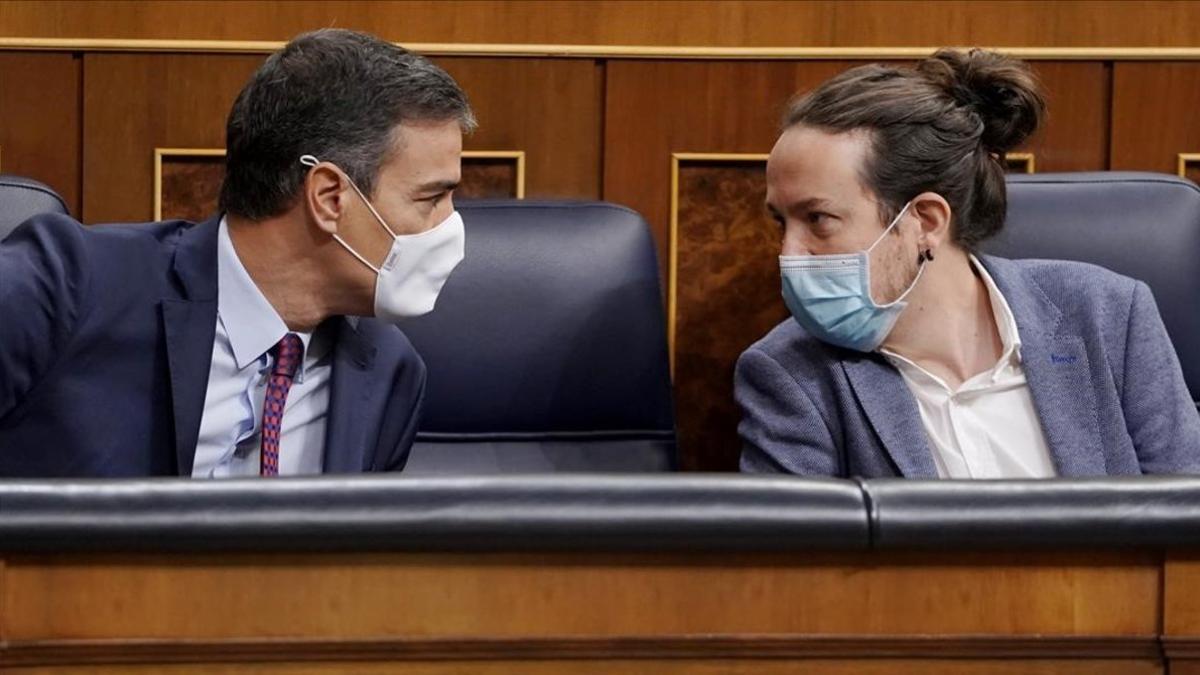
<point x="547" y="348"/>
<point x="556" y="363"/>
<point x="588" y="573"/>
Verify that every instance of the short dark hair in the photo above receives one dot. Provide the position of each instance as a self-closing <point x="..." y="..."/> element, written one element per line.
<point x="335" y="94"/>
<point x="943" y="126"/>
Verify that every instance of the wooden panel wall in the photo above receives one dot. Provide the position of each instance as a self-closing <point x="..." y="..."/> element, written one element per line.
<point x="1156" y="116"/>
<point x="735" y="23"/>
<point x="39" y="120"/>
<point x="699" y="613"/>
<point x="134" y="103"/>
<point x="548" y="108"/>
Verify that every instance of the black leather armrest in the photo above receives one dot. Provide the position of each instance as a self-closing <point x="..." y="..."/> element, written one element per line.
<point x="365" y="513"/>
<point x="1142" y="512"/>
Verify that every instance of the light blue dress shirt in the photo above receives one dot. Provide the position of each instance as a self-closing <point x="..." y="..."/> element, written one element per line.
<point x="247" y="328"/>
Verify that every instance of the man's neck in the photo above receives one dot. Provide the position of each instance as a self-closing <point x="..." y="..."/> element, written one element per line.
<point x="948" y="327"/>
<point x="286" y="264"/>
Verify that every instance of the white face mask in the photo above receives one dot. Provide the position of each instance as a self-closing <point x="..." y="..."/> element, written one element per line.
<point x="408" y="282"/>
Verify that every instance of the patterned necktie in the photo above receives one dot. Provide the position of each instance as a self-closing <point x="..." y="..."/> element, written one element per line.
<point x="287" y="353"/>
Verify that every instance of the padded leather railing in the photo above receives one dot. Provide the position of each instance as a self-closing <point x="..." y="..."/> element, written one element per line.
<point x="594" y="512"/>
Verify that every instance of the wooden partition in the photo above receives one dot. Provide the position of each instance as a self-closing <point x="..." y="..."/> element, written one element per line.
<point x="666" y="107"/>
<point x="1090" y="613"/>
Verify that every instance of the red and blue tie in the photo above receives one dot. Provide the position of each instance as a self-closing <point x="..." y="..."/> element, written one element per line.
<point x="287" y="353"/>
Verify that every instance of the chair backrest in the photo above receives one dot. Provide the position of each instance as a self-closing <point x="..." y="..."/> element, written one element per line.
<point x="1142" y="225"/>
<point x="22" y="198"/>
<point x="547" y="348"/>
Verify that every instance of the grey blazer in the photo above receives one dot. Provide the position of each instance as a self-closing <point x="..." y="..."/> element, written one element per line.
<point x="1104" y="378"/>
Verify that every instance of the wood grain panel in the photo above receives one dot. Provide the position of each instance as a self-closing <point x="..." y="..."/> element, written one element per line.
<point x="637" y="22"/>
<point x="1154" y="115"/>
<point x="656" y="108"/>
<point x="548" y="108"/>
<point x="191" y="187"/>
<point x="726" y="297"/>
<point x="635" y="667"/>
<point x="40" y="120"/>
<point x="488" y="179"/>
<point x="135" y="103"/>
<point x="1181" y="579"/>
<point x="512" y="596"/>
<point x="1075" y="135"/>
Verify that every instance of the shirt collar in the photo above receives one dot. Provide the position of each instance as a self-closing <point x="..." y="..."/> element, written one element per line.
<point x="252" y="324"/>
<point x="1006" y="323"/>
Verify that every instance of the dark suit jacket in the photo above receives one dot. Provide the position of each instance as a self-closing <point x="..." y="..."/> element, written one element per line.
<point x="106" y="338"/>
<point x="1104" y="379"/>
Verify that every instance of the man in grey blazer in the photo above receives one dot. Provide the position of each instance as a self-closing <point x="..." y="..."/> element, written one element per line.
<point x="910" y="355"/>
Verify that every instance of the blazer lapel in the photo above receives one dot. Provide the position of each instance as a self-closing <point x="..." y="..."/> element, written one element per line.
<point x="349" y="400"/>
<point x="189" y="327"/>
<point x="1058" y="373"/>
<point x="892" y="411"/>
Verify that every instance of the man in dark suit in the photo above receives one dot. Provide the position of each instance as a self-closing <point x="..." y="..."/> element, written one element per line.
<point x="244" y="345"/>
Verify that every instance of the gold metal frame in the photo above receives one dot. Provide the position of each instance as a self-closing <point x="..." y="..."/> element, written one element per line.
<point x="604" y="51"/>
<point x="673" y="245"/>
<point x="1186" y="158"/>
<point x="160" y="153"/>
<point x="518" y="155"/>
<point x="1028" y="158"/>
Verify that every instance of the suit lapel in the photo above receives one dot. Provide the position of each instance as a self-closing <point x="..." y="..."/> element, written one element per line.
<point x="349" y="401"/>
<point x="189" y="326"/>
<point x="1058" y="373"/>
<point x="892" y="411"/>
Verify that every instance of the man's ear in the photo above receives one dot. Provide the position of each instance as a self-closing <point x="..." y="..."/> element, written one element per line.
<point x="325" y="196"/>
<point x="934" y="215"/>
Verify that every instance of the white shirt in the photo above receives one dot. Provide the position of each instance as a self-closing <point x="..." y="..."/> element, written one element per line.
<point x="988" y="427"/>
<point x="247" y="328"/>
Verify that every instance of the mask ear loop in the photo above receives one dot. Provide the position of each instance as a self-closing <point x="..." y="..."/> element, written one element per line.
<point x="309" y="160"/>
<point x="921" y="259"/>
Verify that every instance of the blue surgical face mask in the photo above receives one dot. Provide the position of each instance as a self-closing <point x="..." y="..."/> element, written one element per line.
<point x="830" y="296"/>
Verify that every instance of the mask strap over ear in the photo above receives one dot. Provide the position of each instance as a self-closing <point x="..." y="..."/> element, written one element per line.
<point x="311" y="161"/>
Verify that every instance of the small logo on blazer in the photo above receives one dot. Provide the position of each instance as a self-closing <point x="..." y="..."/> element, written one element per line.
<point x="1055" y="358"/>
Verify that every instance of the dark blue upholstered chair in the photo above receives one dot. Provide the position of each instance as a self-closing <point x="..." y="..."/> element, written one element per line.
<point x="547" y="349"/>
<point x="21" y="198"/>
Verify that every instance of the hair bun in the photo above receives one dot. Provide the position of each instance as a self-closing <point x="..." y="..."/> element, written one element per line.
<point x="1000" y="89"/>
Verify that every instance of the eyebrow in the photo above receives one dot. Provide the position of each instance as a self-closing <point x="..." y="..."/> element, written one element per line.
<point x="438" y="186"/>
<point x="802" y="205"/>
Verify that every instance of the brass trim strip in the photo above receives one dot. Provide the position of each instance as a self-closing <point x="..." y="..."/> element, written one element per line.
<point x="1186" y="158"/>
<point x="673" y="243"/>
<point x="1027" y="159"/>
<point x="604" y="51"/>
<point x="160" y="153"/>
<point x="518" y="155"/>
